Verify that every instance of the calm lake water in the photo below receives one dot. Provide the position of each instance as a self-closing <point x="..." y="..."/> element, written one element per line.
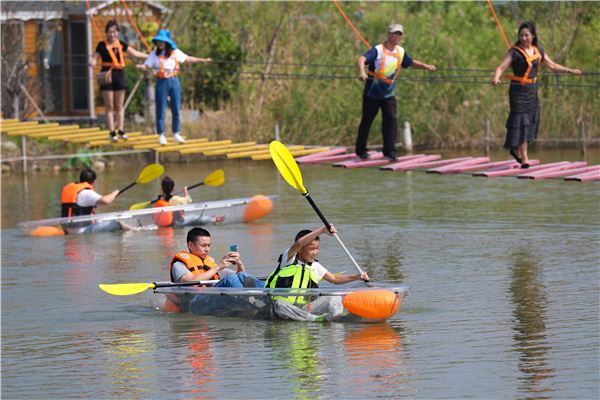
<point x="504" y="300"/>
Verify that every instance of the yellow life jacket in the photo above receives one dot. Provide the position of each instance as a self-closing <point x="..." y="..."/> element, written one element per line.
<point x="296" y="276"/>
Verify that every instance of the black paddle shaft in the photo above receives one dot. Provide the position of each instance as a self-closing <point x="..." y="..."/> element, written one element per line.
<point x="127" y="187"/>
<point x="319" y="213"/>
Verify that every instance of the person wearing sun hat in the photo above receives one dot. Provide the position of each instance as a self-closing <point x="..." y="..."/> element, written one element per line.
<point x="384" y="61"/>
<point x="164" y="60"/>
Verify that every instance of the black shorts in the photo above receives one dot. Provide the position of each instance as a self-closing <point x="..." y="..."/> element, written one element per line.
<point x="118" y="81"/>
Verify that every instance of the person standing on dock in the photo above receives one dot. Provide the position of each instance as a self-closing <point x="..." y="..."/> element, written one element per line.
<point x="525" y="58"/>
<point x="165" y="60"/>
<point x="111" y="53"/>
<point x="384" y="61"/>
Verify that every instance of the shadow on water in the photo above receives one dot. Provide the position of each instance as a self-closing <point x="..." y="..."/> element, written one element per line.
<point x="530" y="300"/>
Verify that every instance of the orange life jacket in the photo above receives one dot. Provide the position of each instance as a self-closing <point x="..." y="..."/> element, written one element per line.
<point x="161" y="73"/>
<point x="528" y="77"/>
<point x="68" y="199"/>
<point x="162" y="219"/>
<point x="114" y="64"/>
<point x="193" y="263"/>
<point x="386" y="57"/>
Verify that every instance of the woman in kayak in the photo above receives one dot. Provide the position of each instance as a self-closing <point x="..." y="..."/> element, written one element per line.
<point x="167" y="198"/>
<point x="525" y="58"/>
<point x="298" y="268"/>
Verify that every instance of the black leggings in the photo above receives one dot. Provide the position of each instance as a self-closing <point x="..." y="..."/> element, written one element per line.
<point x="389" y="125"/>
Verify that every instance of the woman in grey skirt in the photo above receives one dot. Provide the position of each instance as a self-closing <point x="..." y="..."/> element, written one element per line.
<point x="525" y="59"/>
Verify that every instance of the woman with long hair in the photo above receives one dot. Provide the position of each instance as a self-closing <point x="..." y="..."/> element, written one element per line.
<point x="111" y="55"/>
<point x="164" y="60"/>
<point x="525" y="58"/>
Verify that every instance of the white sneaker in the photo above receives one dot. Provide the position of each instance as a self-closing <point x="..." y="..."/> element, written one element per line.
<point x="178" y="138"/>
<point x="162" y="139"/>
<point x="113" y="137"/>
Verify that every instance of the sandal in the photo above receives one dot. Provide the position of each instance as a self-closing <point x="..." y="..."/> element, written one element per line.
<point x="516" y="157"/>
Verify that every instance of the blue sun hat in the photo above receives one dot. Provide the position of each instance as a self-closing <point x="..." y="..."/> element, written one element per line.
<point x="164" y="35"/>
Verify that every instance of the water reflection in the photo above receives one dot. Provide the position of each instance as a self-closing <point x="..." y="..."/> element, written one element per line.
<point x="374" y="357"/>
<point x="298" y="347"/>
<point x="128" y="354"/>
<point x="202" y="362"/>
<point x="530" y="300"/>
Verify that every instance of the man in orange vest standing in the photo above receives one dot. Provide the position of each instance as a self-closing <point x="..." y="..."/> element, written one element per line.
<point x="80" y="198"/>
<point x="384" y="61"/>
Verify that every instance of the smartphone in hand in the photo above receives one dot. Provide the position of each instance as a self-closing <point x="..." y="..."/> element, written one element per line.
<point x="233" y="247"/>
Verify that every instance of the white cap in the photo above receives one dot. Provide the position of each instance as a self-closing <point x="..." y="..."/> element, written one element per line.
<point x="395" y="28"/>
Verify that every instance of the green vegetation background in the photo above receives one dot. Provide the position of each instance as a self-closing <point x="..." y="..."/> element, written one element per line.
<point x="245" y="101"/>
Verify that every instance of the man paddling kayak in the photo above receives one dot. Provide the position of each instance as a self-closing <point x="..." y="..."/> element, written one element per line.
<point x="80" y="198"/>
<point x="298" y="268"/>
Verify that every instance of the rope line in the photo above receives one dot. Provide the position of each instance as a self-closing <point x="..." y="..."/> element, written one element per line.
<point x="351" y="24"/>
<point x="135" y="26"/>
<point x="489" y="2"/>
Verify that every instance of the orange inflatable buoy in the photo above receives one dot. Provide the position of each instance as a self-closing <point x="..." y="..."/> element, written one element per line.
<point x="43" y="231"/>
<point x="257" y="207"/>
<point x="375" y="304"/>
<point x="171" y="304"/>
<point x="162" y="219"/>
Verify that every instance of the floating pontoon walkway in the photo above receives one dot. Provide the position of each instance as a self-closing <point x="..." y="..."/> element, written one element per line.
<point x="477" y="166"/>
<point x="95" y="137"/>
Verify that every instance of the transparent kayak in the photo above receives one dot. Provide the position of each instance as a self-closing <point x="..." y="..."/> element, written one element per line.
<point x="226" y="211"/>
<point x="334" y="304"/>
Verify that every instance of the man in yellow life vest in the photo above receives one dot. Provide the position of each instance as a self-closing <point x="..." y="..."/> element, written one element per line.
<point x="298" y="268"/>
<point x="384" y="61"/>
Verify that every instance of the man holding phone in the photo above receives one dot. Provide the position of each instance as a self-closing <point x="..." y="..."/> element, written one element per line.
<point x="196" y="265"/>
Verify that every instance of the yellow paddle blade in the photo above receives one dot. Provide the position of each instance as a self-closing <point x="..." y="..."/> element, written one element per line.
<point x="125" y="289"/>
<point x="217" y="178"/>
<point x="140" y="206"/>
<point x="150" y="173"/>
<point x="287" y="165"/>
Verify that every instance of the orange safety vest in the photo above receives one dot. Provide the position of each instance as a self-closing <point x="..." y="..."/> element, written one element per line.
<point x="115" y="64"/>
<point x="527" y="78"/>
<point x="162" y="219"/>
<point x="193" y="263"/>
<point x="398" y="54"/>
<point x="161" y="73"/>
<point x="68" y="199"/>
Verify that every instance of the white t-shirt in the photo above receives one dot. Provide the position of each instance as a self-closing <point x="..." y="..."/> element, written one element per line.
<point x="319" y="270"/>
<point x="169" y="64"/>
<point x="87" y="198"/>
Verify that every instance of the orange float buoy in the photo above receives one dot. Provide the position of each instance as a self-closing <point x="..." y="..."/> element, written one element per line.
<point x="171" y="304"/>
<point x="162" y="219"/>
<point x="375" y="304"/>
<point x="43" y="231"/>
<point x="257" y="207"/>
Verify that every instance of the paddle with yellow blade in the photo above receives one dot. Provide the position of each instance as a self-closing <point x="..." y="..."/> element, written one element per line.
<point x="288" y="168"/>
<point x="216" y="178"/>
<point x="148" y="174"/>
<point x="126" y="289"/>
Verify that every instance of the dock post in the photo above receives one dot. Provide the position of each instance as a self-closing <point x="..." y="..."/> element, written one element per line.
<point x="581" y="135"/>
<point x="16" y="116"/>
<point x="156" y="157"/>
<point x="408" y="145"/>
<point x="486" y="138"/>
<point x="277" y="134"/>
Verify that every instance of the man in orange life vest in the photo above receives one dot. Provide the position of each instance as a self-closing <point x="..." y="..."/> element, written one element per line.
<point x="80" y="198"/>
<point x="384" y="61"/>
<point x="196" y="265"/>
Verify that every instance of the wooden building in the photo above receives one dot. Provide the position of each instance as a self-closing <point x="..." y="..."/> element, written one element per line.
<point x="47" y="47"/>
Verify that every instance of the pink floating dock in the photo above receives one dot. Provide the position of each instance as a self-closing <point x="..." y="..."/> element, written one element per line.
<point x="489" y="166"/>
<point x="518" y="171"/>
<point x="356" y="159"/>
<point x="587" y="176"/>
<point x="408" y="164"/>
<point x="339" y="157"/>
<point x="562" y="170"/>
<point x="327" y="153"/>
<point x="377" y="162"/>
<point x="455" y="168"/>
